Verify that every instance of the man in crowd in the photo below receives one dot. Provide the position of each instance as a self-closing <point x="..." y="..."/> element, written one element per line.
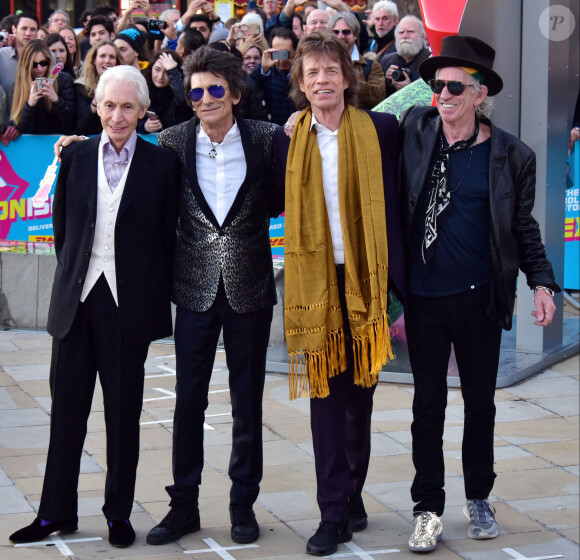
<point x="469" y="226"/>
<point x="317" y="19"/>
<point x="341" y="200"/>
<point x="411" y="51"/>
<point x="107" y="188"/>
<point x="382" y="33"/>
<point x="107" y="20"/>
<point x="24" y="29"/>
<point x="130" y="42"/>
<point x="100" y="28"/>
<point x="273" y="76"/>
<point x="201" y="23"/>
<point x="371" y="90"/>
<point x="57" y="20"/>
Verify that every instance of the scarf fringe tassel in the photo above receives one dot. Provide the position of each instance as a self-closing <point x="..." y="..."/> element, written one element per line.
<point x="309" y="371"/>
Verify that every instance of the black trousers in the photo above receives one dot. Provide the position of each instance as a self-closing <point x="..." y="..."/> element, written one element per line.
<point x="245" y="338"/>
<point x="341" y="434"/>
<point x="95" y="343"/>
<point x="432" y="325"/>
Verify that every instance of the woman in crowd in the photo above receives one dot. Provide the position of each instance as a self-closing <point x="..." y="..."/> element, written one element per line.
<point x="102" y="56"/>
<point x="253" y="104"/>
<point x="57" y="46"/>
<point x="72" y="43"/>
<point x="166" y="92"/>
<point x="39" y="106"/>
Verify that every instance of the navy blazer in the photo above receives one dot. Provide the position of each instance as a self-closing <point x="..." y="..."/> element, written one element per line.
<point x="144" y="238"/>
<point x="387" y="132"/>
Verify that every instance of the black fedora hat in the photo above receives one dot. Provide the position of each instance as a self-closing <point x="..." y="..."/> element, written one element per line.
<point x="467" y="51"/>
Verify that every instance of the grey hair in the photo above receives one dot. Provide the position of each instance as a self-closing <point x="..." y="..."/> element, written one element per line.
<point x="58" y="12"/>
<point x="388" y="6"/>
<point x="349" y="18"/>
<point x="416" y="20"/>
<point x="125" y="74"/>
<point x="484" y="109"/>
<point x="165" y="13"/>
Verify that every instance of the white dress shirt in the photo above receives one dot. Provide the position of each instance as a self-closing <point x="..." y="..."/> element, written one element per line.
<point x="221" y="177"/>
<point x="103" y="252"/>
<point x="328" y="146"/>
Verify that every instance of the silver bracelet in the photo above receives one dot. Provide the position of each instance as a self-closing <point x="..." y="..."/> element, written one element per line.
<point x="544" y="289"/>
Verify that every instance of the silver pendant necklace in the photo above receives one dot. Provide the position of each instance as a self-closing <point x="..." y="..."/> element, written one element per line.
<point x="213" y="151"/>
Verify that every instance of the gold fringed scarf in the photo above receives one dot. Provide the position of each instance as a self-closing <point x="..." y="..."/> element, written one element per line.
<point x="312" y="312"/>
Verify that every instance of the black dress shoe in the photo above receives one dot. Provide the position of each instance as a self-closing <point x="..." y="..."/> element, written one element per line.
<point x="121" y="533"/>
<point x="181" y="520"/>
<point x="40" y="529"/>
<point x="245" y="528"/>
<point x="357" y="514"/>
<point x="327" y="537"/>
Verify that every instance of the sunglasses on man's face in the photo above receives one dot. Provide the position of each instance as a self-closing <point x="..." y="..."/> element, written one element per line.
<point x="343" y="32"/>
<point x="454" y="88"/>
<point x="216" y="91"/>
<point x="42" y="63"/>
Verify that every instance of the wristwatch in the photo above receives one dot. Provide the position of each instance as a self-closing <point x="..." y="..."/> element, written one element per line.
<point x="543" y="288"/>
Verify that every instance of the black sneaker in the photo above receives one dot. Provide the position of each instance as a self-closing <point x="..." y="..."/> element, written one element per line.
<point x="245" y="528"/>
<point x="327" y="537"/>
<point x="181" y="520"/>
<point x="357" y="514"/>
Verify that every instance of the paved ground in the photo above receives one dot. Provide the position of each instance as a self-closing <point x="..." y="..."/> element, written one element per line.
<point x="536" y="493"/>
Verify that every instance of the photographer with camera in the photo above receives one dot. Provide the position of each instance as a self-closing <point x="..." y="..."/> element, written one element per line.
<point x="402" y="67"/>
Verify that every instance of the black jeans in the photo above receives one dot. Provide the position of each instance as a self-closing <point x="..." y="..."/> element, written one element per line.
<point x="433" y="324"/>
<point x="246" y="338"/>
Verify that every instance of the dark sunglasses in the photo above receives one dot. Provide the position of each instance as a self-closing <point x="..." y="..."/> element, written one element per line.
<point x="344" y="32"/>
<point x="42" y="63"/>
<point x="196" y="94"/>
<point x="454" y="88"/>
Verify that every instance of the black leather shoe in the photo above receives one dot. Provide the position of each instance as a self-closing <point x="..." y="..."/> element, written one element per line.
<point x="357" y="514"/>
<point x="40" y="529"/>
<point x="327" y="537"/>
<point x="181" y="520"/>
<point x="121" y="534"/>
<point x="245" y="528"/>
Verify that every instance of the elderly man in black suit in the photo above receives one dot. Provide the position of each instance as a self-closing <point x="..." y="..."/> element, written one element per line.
<point x="114" y="216"/>
<point x="223" y="279"/>
<point x="339" y="172"/>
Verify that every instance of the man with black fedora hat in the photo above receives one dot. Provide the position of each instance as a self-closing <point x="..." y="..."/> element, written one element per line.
<point x="468" y="189"/>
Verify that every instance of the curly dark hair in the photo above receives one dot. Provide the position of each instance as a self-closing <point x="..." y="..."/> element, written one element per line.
<point x="323" y="43"/>
<point x="223" y="64"/>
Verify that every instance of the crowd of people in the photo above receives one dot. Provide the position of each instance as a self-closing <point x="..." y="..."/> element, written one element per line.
<point x="107" y="39"/>
<point x="257" y="117"/>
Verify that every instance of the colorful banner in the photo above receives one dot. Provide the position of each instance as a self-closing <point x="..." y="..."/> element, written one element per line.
<point x="572" y="221"/>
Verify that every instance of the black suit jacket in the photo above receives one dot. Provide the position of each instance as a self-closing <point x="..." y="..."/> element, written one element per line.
<point x="144" y="238"/>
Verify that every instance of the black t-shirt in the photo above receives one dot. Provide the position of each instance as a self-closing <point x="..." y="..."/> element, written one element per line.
<point x="462" y="258"/>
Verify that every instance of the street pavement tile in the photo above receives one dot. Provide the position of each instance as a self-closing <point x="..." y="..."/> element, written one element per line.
<point x="279" y="478"/>
<point x="23" y="441"/>
<point x="395" y="399"/>
<point x="4" y="478"/>
<point x="561" y="405"/>
<point x="562" y="453"/>
<point x="289" y="505"/>
<point x="382" y="445"/>
<point x="5" y="379"/>
<point x="568" y="366"/>
<point x="283" y="453"/>
<point x="541" y="386"/>
<point x="13" y="397"/>
<point x="537" y="431"/>
<point x="23" y="417"/>
<point x="526" y="546"/>
<point x="6" y="400"/>
<point x="12" y="501"/>
<point x="574" y="469"/>
<point x="90" y="504"/>
<point x="279" y="403"/>
<point x="35" y="465"/>
<point x="36" y="387"/>
<point x="30" y="372"/>
<point x="572" y="534"/>
<point x="151" y="488"/>
<point x="295" y="428"/>
<point x="395" y="468"/>
<point x="555" y="512"/>
<point x="515" y="485"/>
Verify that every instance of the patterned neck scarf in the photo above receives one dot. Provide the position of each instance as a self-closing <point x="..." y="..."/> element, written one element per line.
<point x="438" y="209"/>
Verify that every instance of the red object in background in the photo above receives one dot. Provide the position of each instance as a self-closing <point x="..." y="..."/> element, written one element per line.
<point x="441" y="19"/>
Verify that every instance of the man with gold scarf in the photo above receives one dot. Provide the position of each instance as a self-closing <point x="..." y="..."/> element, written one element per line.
<point x="341" y="206"/>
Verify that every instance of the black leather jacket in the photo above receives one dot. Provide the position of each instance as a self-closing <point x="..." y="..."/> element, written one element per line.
<point x="515" y="237"/>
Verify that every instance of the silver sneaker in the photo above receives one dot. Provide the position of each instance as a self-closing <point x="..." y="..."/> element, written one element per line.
<point x="428" y="531"/>
<point x="482" y="523"/>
